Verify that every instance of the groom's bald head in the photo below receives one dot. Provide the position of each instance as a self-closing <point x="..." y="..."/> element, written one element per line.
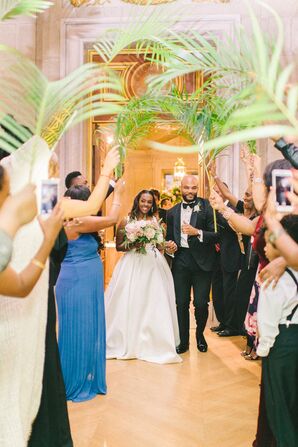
<point x="189" y="188"/>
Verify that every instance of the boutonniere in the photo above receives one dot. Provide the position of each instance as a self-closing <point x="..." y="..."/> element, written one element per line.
<point x="197" y="208"/>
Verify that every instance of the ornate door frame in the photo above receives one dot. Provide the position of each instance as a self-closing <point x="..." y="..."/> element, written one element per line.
<point x="78" y="34"/>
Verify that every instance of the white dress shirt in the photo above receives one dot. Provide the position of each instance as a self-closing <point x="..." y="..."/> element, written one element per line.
<point x="185" y="219"/>
<point x="275" y="305"/>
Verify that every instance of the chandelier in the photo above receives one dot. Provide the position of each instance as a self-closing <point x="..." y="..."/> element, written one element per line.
<point x="179" y="170"/>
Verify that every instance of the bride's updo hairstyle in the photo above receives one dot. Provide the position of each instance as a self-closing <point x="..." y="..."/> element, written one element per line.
<point x="135" y="207"/>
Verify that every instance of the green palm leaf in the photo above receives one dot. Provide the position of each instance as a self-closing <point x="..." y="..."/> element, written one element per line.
<point x="259" y="84"/>
<point x="13" y="8"/>
<point x="30" y="104"/>
<point x="145" y="35"/>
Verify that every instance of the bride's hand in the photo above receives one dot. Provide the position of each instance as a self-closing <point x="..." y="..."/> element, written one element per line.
<point x="171" y="247"/>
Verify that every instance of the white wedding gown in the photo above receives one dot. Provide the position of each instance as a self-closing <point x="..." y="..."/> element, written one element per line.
<point x="141" y="315"/>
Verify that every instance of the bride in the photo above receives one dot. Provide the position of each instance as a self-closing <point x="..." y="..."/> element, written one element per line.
<point x="141" y="313"/>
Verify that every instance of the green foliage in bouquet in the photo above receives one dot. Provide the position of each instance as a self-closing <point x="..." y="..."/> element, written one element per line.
<point x="12" y="8"/>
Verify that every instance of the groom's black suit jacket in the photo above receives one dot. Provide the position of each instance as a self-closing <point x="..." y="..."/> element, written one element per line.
<point x="203" y="252"/>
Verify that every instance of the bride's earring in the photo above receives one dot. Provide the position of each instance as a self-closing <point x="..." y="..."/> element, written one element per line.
<point x="152" y="210"/>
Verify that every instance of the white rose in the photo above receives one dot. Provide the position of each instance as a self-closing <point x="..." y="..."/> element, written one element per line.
<point x="160" y="238"/>
<point x="131" y="237"/>
<point x="149" y="233"/>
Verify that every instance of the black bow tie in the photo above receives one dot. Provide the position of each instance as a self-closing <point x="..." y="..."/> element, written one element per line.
<point x="190" y="204"/>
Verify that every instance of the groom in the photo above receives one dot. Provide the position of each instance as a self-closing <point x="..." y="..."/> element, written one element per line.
<point x="190" y="225"/>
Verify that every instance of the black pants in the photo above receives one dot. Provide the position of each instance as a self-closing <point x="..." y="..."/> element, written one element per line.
<point x="242" y="294"/>
<point x="218" y="295"/>
<point x="280" y="377"/>
<point x="187" y="274"/>
<point x="229" y="286"/>
<point x="223" y="294"/>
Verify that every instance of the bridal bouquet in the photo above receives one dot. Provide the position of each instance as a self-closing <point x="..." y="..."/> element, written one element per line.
<point x="140" y="233"/>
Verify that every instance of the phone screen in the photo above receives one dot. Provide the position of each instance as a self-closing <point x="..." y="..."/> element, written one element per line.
<point x="49" y="196"/>
<point x="283" y="186"/>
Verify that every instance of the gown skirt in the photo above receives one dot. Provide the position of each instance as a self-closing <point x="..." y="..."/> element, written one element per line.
<point x="81" y="318"/>
<point x="141" y="311"/>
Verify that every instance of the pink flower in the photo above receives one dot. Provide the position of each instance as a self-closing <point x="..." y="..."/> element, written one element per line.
<point x="130" y="228"/>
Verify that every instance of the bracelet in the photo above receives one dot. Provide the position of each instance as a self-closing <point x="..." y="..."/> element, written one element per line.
<point x="37" y="263"/>
<point x="116" y="204"/>
<point x="258" y="180"/>
<point x="228" y="213"/>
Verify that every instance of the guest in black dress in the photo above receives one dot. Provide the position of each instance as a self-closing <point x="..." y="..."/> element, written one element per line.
<point x="51" y="427"/>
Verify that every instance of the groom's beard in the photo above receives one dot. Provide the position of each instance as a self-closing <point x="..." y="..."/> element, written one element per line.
<point x="189" y="197"/>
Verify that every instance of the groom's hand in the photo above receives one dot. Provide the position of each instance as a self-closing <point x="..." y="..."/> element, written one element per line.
<point x="190" y="230"/>
<point x="171" y="247"/>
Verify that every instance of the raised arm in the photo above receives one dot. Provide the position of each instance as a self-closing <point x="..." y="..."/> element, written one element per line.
<point x="287" y="247"/>
<point x="93" y="224"/>
<point x="20" y="284"/>
<point x="239" y="223"/>
<point x="227" y="194"/>
<point x="258" y="188"/>
<point x="79" y="208"/>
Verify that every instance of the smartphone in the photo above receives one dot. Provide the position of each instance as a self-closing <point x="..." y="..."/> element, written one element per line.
<point x="281" y="181"/>
<point x="49" y="193"/>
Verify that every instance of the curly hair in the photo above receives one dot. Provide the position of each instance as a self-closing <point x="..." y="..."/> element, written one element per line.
<point x="135" y="207"/>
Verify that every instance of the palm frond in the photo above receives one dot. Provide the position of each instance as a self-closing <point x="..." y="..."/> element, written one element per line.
<point x="47" y="109"/>
<point x="194" y="116"/>
<point x="259" y="85"/>
<point x="143" y="30"/>
<point x="12" y="8"/>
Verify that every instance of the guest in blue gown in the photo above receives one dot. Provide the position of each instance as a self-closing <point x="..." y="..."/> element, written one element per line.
<point x="80" y="302"/>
